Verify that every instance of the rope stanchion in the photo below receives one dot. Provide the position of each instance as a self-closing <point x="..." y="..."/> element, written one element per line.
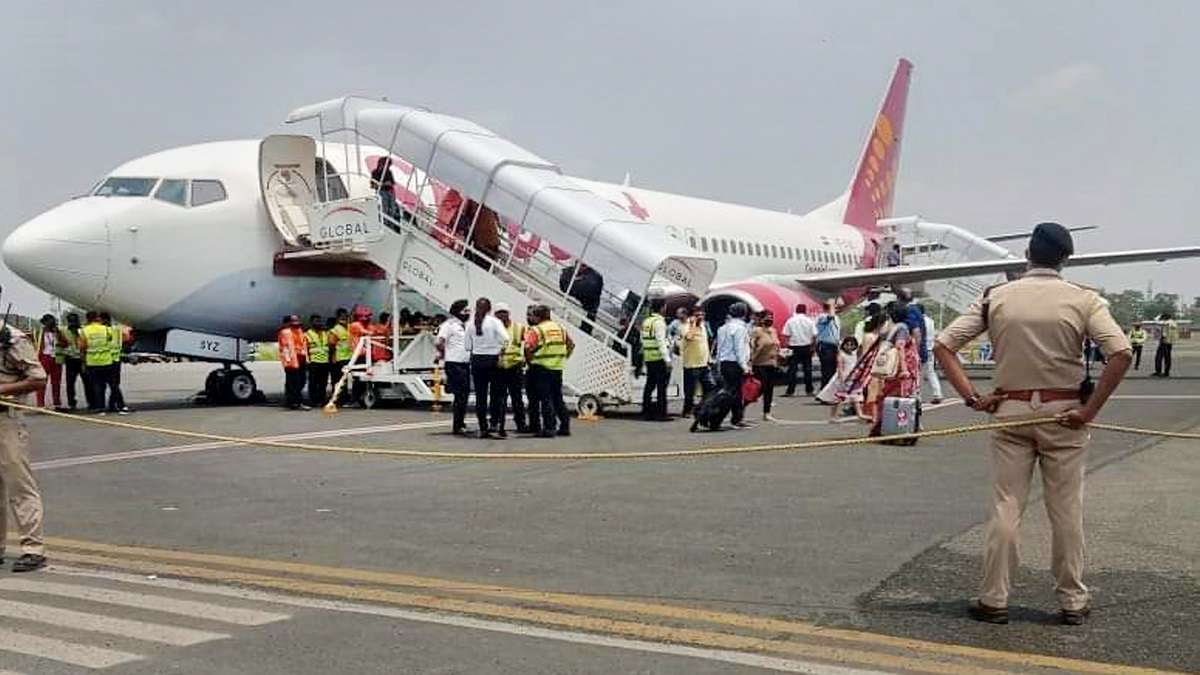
<point x="591" y="456"/>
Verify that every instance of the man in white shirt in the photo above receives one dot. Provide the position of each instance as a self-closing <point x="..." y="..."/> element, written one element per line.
<point x="485" y="339"/>
<point x="733" y="355"/>
<point x="800" y="331"/>
<point x="452" y="350"/>
<point x="927" y="368"/>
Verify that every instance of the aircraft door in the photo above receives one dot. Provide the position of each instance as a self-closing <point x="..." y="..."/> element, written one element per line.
<point x="287" y="176"/>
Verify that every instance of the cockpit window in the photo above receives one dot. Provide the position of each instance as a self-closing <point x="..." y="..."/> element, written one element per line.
<point x="172" y="190"/>
<point x="116" y="186"/>
<point x="207" y="192"/>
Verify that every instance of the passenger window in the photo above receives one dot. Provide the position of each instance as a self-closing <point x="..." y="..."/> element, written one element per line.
<point x="692" y="241"/>
<point x="207" y="192"/>
<point x="724" y="247"/>
<point x="774" y="251"/>
<point x="704" y="244"/>
<point x="742" y="247"/>
<point x="172" y="190"/>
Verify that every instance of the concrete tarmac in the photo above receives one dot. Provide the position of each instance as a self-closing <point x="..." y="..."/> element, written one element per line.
<point x="827" y="560"/>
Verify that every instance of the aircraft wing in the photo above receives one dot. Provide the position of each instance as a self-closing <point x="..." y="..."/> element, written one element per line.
<point x="908" y="274"/>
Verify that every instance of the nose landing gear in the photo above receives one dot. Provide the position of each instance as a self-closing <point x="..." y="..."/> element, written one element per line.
<point x="228" y="386"/>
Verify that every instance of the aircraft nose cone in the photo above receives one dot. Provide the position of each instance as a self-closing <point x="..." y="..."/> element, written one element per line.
<point x="63" y="251"/>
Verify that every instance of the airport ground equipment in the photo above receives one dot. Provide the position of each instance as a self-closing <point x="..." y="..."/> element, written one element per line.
<point x="427" y="246"/>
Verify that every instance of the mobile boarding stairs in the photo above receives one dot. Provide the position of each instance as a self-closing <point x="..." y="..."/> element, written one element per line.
<point x="428" y="246"/>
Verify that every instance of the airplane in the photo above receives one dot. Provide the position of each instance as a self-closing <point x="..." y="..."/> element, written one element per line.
<point x="182" y="244"/>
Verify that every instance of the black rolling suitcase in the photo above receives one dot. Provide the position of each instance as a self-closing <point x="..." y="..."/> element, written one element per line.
<point x="712" y="410"/>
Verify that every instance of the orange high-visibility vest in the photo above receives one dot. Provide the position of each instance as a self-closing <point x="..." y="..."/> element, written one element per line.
<point x="292" y="348"/>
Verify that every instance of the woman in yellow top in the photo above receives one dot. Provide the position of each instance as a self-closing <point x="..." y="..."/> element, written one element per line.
<point x="764" y="359"/>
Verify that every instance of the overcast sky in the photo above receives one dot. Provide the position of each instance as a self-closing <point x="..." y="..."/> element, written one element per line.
<point x="1081" y="112"/>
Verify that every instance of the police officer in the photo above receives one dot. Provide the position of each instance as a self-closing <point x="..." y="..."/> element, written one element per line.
<point x="656" y="354"/>
<point x="1036" y="325"/>
<point x="20" y="373"/>
<point x="547" y="348"/>
<point x="318" y="360"/>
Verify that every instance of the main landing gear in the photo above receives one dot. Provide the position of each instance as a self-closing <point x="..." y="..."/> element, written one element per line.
<point x="229" y="386"/>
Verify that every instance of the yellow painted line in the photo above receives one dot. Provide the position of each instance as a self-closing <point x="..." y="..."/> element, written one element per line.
<point x="600" y="603"/>
<point x="579" y="622"/>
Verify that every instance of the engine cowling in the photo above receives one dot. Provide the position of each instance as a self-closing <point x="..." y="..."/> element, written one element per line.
<point x="779" y="300"/>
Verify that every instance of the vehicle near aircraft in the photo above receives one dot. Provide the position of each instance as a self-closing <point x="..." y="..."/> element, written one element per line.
<point x="204" y="247"/>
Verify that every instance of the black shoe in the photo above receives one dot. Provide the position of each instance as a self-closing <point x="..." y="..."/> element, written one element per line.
<point x="522" y="429"/>
<point x="461" y="431"/>
<point x="1075" y="617"/>
<point x="485" y="434"/>
<point x="564" y="432"/>
<point x="545" y="434"/>
<point x="788" y="395"/>
<point x="29" y="562"/>
<point x="981" y="612"/>
<point x="500" y="433"/>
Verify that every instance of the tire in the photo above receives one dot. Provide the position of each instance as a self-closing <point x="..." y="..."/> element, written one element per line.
<point x="240" y="388"/>
<point x="589" y="405"/>
<point x="370" y="397"/>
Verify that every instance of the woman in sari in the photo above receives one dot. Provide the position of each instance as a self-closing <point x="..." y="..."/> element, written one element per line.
<point x="902" y="380"/>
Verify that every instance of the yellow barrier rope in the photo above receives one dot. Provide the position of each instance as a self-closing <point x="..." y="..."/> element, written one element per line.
<point x="578" y="456"/>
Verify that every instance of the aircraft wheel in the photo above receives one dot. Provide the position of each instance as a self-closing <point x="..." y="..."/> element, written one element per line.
<point x="240" y="387"/>
<point x="589" y="405"/>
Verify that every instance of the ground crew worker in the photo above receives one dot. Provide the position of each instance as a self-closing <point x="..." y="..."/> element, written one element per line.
<point x="359" y="328"/>
<point x="49" y="341"/>
<point x="97" y="357"/>
<point x="116" y="344"/>
<point x="1137" y="340"/>
<point x="293" y="356"/>
<point x="547" y="348"/>
<point x="531" y="394"/>
<point x="342" y="347"/>
<point x="317" y="340"/>
<point x="1036" y="325"/>
<point x="1168" y="335"/>
<point x="20" y="373"/>
<point x="510" y="377"/>
<point x="73" y="361"/>
<point x="656" y="354"/>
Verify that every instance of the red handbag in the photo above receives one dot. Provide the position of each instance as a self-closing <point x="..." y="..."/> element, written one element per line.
<point x="751" y="389"/>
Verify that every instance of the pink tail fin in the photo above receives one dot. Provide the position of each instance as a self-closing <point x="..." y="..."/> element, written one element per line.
<point x="872" y="191"/>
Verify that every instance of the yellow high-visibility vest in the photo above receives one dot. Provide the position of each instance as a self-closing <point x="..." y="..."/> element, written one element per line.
<point x="96" y="337"/>
<point x="343" y="350"/>
<point x="514" y="351"/>
<point x="551" y="352"/>
<point x="318" y="345"/>
<point x="651" y="350"/>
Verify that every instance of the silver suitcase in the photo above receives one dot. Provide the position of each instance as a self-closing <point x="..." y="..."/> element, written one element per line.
<point x="901" y="416"/>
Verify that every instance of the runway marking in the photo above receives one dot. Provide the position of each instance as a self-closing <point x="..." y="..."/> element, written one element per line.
<point x="164" y="561"/>
<point x="562" y="620"/>
<point x="60" y="650"/>
<point x="736" y="658"/>
<point x="98" y="623"/>
<point x="214" y="445"/>
<point x="167" y="605"/>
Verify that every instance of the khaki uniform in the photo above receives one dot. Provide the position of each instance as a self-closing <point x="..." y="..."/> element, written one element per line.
<point x="18" y="488"/>
<point x="1037" y="325"/>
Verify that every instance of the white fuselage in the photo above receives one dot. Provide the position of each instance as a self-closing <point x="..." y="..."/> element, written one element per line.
<point x="211" y="267"/>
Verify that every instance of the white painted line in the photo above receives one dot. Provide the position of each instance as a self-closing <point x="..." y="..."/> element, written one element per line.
<point x="97" y="623"/>
<point x="66" y="652"/>
<point x="158" y="603"/>
<point x="456" y="621"/>
<point x="213" y="445"/>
